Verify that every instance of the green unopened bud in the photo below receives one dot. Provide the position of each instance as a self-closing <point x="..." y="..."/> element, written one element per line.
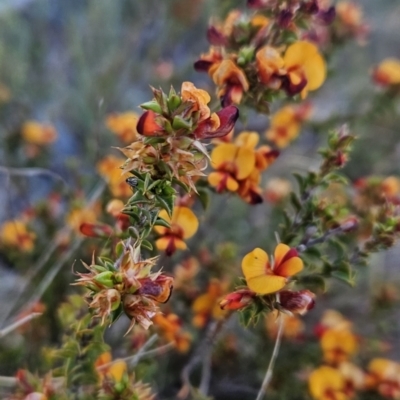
<point x="105" y="279"/>
<point x="180" y="123"/>
<point x="246" y="55"/>
<point x="149" y="160"/>
<point x="168" y="127"/>
<point x="184" y="142"/>
<point x="174" y="102"/>
<point x="99" y="268"/>
<point x="152" y="105"/>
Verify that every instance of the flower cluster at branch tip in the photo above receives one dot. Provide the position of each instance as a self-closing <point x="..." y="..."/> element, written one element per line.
<point x="130" y="287"/>
<point x="183" y="225"/>
<point x="387" y="73"/>
<point x="117" y="382"/>
<point x="255" y="58"/>
<point x="15" y="233"/>
<point x="239" y="165"/>
<point x="340" y="378"/>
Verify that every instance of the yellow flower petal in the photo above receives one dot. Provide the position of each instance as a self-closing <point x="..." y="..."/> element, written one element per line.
<point x="222" y="181"/>
<point x="290" y="267"/>
<point x="325" y="379"/>
<point x="117" y="370"/>
<point x="306" y="56"/>
<point x="223" y="153"/>
<point x="266" y="284"/>
<point x="185" y="218"/>
<point x="247" y="139"/>
<point x="163" y="243"/>
<point x="255" y="264"/>
<point x="245" y="162"/>
<point x="280" y="252"/>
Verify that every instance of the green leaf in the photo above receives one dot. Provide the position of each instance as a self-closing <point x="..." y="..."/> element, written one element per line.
<point x="162" y="222"/>
<point x="314" y="282"/>
<point x="204" y="197"/>
<point x="147" y="245"/>
<point x="295" y="201"/>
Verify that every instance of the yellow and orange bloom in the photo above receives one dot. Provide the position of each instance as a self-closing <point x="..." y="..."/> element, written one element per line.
<point x="385" y="377"/>
<point x="286" y="123"/>
<point x="355" y="378"/>
<point x="171" y="329"/>
<point x="198" y="97"/>
<point x="184" y="225"/>
<point x="264" y="276"/>
<point x="231" y="81"/>
<point x="34" y="132"/>
<point x="80" y="216"/>
<point x="270" y="66"/>
<point x="327" y="383"/>
<point x="232" y="163"/>
<point x="207" y="305"/>
<point x="107" y="369"/>
<point x="332" y="319"/>
<point x="338" y="345"/>
<point x="387" y="73"/>
<point x="110" y="169"/>
<point x="123" y="125"/>
<point x="305" y="68"/>
<point x="15" y="233"/>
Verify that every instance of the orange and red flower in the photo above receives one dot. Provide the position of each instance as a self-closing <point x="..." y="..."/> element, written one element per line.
<point x="264" y="276"/>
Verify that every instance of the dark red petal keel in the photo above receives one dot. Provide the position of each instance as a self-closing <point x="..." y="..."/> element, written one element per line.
<point x="227" y="117"/>
<point x="216" y="37"/>
<point x="202" y="65"/>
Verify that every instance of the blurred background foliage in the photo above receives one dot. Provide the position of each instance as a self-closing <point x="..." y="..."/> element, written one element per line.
<point x="71" y="63"/>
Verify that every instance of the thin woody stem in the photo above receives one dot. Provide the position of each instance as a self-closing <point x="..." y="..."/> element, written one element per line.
<point x="18" y="323"/>
<point x="268" y="374"/>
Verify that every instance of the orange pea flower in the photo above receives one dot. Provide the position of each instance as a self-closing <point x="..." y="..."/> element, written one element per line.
<point x="385" y="375"/>
<point x="184" y="225"/>
<point x="387" y="72"/>
<point x="79" y="216"/>
<point x="15" y="233"/>
<point x="233" y="163"/>
<point x="110" y="169"/>
<point x="40" y="134"/>
<point x="338" y="345"/>
<point x="232" y="82"/>
<point x="171" y="329"/>
<point x="327" y="383"/>
<point x="265" y="277"/>
<point x="115" y="371"/>
<point x="198" y="97"/>
<point x="123" y="125"/>
<point x="207" y="305"/>
<point x="332" y="319"/>
<point x="355" y="378"/>
<point x="269" y="66"/>
<point x="286" y="123"/>
<point x="306" y="68"/>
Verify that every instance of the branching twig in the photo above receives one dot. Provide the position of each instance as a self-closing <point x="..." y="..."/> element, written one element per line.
<point x="321" y="239"/>
<point x="5" y="331"/>
<point x="268" y="375"/>
<point x="202" y="353"/>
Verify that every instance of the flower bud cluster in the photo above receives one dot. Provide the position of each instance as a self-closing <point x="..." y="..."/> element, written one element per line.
<point x="132" y="288"/>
